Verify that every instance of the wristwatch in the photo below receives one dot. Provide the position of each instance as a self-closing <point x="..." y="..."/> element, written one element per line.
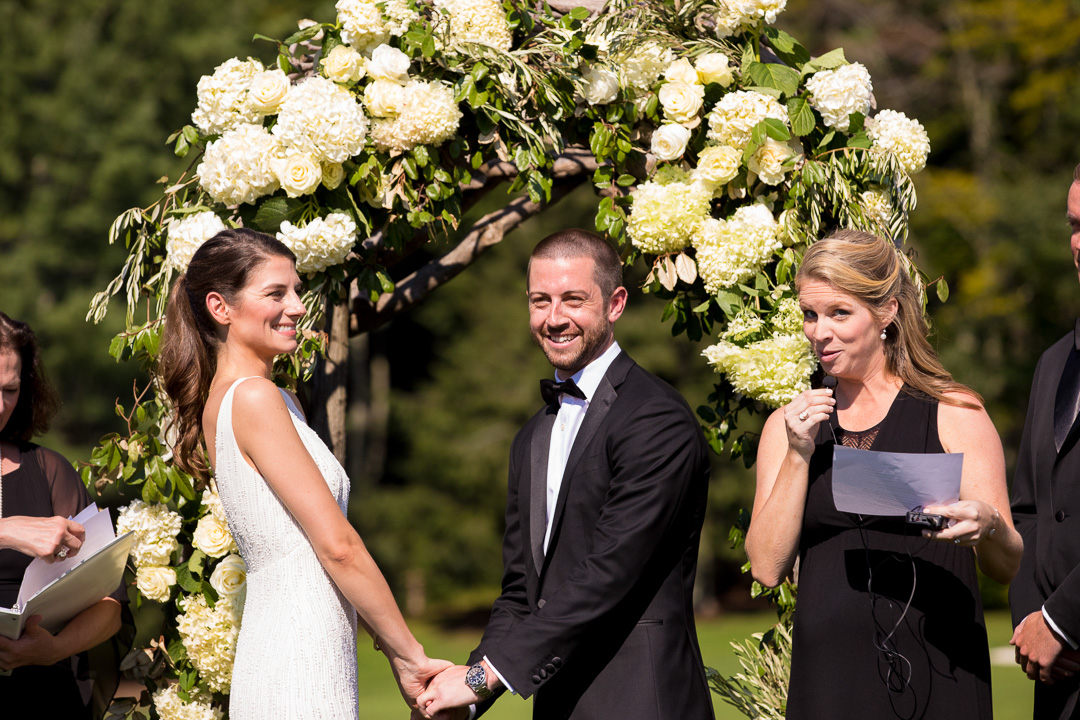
<point x="476" y="679"/>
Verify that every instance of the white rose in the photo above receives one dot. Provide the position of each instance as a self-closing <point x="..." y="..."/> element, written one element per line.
<point x="601" y="85"/>
<point x="713" y="68"/>
<point x="384" y="98"/>
<point x="332" y="175"/>
<point x="268" y="90"/>
<point x="681" y="71"/>
<point x="389" y="63"/>
<point x="230" y="576"/>
<point x="212" y="536"/>
<point x="768" y="161"/>
<point x="717" y="165"/>
<point x="669" y="142"/>
<point x="343" y="64"/>
<point x="682" y="102"/>
<point x="154" y="582"/>
<point x="297" y="172"/>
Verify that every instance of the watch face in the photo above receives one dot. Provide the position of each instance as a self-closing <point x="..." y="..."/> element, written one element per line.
<point x="476" y="676"/>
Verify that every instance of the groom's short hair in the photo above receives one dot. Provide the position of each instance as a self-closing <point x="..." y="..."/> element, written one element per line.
<point x="576" y="243"/>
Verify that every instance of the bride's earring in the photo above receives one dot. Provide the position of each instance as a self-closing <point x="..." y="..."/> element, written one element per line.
<point x="883" y="336"/>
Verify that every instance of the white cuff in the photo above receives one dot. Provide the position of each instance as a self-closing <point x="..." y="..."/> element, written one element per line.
<point x="472" y="712"/>
<point x="1053" y="626"/>
<point x="495" y="670"/>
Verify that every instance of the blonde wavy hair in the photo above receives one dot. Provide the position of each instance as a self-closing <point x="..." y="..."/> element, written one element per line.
<point x="871" y="270"/>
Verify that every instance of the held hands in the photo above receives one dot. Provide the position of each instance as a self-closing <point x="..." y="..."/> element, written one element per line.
<point x="802" y="416"/>
<point x="447" y="696"/>
<point x="972" y="522"/>
<point x="36" y="646"/>
<point x="413" y="678"/>
<point x="1041" y="653"/>
<point x="43" y="537"/>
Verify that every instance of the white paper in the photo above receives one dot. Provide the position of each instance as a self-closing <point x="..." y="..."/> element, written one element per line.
<point x="868" y="482"/>
<point x="40" y="574"/>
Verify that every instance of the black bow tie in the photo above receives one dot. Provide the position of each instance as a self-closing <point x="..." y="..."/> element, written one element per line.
<point x="550" y="390"/>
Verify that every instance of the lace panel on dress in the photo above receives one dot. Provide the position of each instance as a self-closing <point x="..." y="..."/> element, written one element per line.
<point x="860" y="440"/>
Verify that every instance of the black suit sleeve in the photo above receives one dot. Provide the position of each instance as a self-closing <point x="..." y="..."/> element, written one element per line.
<point x="657" y="459"/>
<point x="1024" y="595"/>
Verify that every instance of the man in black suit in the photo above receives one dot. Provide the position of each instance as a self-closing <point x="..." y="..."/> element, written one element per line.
<point x="1045" y="594"/>
<point x="604" y="510"/>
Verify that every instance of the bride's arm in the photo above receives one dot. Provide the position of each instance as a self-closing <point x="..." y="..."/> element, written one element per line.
<point x="269" y="441"/>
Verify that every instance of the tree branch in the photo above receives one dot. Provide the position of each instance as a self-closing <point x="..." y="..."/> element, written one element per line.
<point x="486" y="232"/>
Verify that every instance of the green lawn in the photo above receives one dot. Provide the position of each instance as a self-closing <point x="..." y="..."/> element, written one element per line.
<point x="379" y="699"/>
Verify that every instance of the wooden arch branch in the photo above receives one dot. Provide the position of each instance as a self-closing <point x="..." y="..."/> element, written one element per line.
<point x="486" y="232"/>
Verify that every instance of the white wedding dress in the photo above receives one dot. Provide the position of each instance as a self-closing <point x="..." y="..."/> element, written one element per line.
<point x="296" y="654"/>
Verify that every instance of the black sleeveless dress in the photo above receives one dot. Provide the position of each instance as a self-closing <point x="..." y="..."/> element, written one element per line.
<point x="856" y="652"/>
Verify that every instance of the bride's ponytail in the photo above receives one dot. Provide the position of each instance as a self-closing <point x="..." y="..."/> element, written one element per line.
<point x="190" y="341"/>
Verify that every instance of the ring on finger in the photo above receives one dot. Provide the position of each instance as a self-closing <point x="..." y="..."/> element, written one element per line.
<point x="62" y="552"/>
<point x="803" y="415"/>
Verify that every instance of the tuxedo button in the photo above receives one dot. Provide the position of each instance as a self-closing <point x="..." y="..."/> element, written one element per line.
<point x="550" y="667"/>
<point x="541" y="603"/>
<point x="1059" y="515"/>
<point x="537" y="679"/>
<point x="557" y="662"/>
<point x="542" y="673"/>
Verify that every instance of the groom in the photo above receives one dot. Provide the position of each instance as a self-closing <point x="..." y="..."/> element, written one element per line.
<point x="604" y="510"/>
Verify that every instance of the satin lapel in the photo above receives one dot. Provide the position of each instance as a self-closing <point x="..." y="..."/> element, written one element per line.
<point x="541" y="446"/>
<point x="594" y="418"/>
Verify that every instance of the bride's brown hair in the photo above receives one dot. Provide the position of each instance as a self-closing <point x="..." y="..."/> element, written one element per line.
<point x="190" y="341"/>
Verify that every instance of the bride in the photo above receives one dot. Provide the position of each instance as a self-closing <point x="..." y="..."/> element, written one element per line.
<point x="232" y="312"/>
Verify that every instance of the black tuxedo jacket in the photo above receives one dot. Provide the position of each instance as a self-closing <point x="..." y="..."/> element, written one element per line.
<point x="1046" y="510"/>
<point x="602" y="626"/>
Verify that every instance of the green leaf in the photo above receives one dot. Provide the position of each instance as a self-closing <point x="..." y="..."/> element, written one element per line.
<point x="302" y="35"/>
<point x="257" y="36"/>
<point x="197" y="562"/>
<point x="185" y="579"/>
<point x="828" y="61"/>
<point x="942" y="289"/>
<point x="801" y="116"/>
<point x="859" y="141"/>
<point x="787" y="48"/>
<point x="774" y="75"/>
<point x="626" y="180"/>
<point x="776" y="129"/>
<point x="116" y="347"/>
<point x="580" y="13"/>
<point x="276" y="210"/>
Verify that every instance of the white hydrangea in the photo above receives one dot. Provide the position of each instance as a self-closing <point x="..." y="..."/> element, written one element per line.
<point x="323" y="119"/>
<point x="155" y="528"/>
<point x="753" y="11"/>
<point x="361" y="23"/>
<point x="904" y="137"/>
<point x="397" y="16"/>
<point x="643" y="64"/>
<point x="788" y="317"/>
<point x="185" y="235"/>
<point x="742" y="326"/>
<point x="429" y="116"/>
<point x="877" y="206"/>
<point x="732" y="119"/>
<point x="773" y="371"/>
<point x="732" y="251"/>
<point x="664" y="218"/>
<point x="767" y="162"/>
<point x="321" y="243"/>
<point x="836" y="94"/>
<point x="478" y="21"/>
<point x="209" y="636"/>
<point x="223" y="96"/>
<point x="170" y="706"/>
<point x="236" y="168"/>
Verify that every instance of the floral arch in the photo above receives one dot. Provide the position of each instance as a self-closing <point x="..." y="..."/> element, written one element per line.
<point x="719" y="147"/>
